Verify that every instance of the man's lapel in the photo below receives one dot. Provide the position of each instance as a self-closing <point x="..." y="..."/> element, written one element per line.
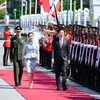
<point x="63" y="42"/>
<point x="58" y="42"/>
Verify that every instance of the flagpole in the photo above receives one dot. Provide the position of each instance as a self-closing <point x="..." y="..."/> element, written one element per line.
<point x="91" y="13"/>
<point x="36" y="7"/>
<point x="26" y="7"/>
<point x="70" y="11"/>
<point x="6" y="7"/>
<point x="61" y="5"/>
<point x="30" y="6"/>
<point x="74" y="11"/>
<point x="56" y="17"/>
<point x="70" y="4"/>
<point x="67" y="12"/>
<point x="15" y="18"/>
<point x="81" y="8"/>
<point x="22" y="7"/>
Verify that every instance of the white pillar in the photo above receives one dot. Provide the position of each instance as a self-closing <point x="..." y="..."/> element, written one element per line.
<point x="65" y="17"/>
<point x="6" y="18"/>
<point x="79" y="17"/>
<point x="85" y="17"/>
<point x="60" y="18"/>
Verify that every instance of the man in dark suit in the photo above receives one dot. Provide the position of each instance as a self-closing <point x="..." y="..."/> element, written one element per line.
<point x="60" y="58"/>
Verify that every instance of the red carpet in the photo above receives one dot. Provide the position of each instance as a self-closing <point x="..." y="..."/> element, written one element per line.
<point x="44" y="88"/>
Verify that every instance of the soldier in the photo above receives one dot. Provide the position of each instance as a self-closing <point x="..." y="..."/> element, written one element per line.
<point x="16" y="55"/>
<point x="6" y="45"/>
<point x="97" y="63"/>
<point x="49" y="48"/>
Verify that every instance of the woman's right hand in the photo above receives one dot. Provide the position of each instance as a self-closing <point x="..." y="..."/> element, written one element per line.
<point x="37" y="63"/>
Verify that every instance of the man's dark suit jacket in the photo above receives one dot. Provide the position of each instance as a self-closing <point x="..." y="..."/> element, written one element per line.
<point x="60" y="52"/>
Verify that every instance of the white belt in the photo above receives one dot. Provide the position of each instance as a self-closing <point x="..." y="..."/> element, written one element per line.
<point x="7" y="40"/>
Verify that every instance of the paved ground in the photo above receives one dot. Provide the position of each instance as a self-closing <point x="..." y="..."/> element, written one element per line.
<point x="7" y="92"/>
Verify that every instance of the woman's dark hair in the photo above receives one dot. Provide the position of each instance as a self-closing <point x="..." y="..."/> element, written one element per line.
<point x="30" y="33"/>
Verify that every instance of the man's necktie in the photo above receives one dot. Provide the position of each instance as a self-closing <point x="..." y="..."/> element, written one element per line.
<point x="61" y="43"/>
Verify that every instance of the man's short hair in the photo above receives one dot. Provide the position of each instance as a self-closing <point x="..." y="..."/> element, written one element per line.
<point x="60" y="28"/>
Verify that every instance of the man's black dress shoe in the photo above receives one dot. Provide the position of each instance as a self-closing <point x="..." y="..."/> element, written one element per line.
<point x="17" y="84"/>
<point x="58" y="88"/>
<point x="65" y="88"/>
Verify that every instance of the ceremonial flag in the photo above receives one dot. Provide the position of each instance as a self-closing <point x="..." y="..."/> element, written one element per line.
<point x="45" y="4"/>
<point x="55" y="7"/>
<point x="3" y="6"/>
<point x="49" y="6"/>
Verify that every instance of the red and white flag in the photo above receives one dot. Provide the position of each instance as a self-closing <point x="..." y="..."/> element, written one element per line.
<point x="49" y="6"/>
<point x="55" y="7"/>
<point x="3" y="6"/>
<point x="45" y="4"/>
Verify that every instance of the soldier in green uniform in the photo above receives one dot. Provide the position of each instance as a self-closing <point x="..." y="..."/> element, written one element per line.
<point x="16" y="55"/>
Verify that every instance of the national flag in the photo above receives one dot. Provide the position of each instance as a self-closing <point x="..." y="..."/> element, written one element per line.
<point x="49" y="6"/>
<point x="55" y="7"/>
<point x="3" y="6"/>
<point x="45" y="4"/>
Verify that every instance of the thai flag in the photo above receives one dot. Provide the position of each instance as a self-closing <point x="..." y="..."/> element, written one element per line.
<point x="45" y="4"/>
<point x="49" y="6"/>
<point x="55" y="7"/>
<point x="3" y="6"/>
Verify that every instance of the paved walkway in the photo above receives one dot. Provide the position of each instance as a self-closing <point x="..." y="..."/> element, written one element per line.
<point x="7" y="92"/>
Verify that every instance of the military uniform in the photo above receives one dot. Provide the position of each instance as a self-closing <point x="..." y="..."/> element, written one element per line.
<point x="16" y="55"/>
<point x="97" y="64"/>
<point x="6" y="45"/>
<point x="49" y="48"/>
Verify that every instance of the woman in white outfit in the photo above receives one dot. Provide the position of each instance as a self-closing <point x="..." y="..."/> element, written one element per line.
<point x="31" y="57"/>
